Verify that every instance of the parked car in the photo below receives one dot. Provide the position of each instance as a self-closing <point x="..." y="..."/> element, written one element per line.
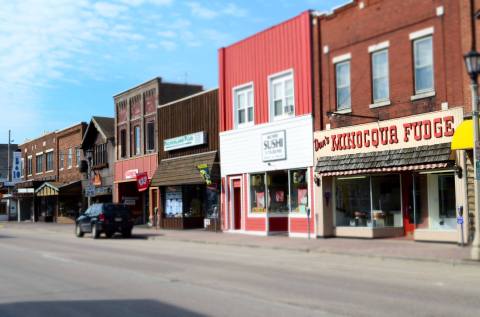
<point x="105" y="218"/>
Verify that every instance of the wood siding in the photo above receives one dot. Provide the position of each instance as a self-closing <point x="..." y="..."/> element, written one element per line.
<point x="189" y="115"/>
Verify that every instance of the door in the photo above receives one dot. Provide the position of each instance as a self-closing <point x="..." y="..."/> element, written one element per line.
<point x="237" y="204"/>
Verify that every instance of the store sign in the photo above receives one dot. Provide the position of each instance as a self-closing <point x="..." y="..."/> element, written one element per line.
<point x="205" y="173"/>
<point x="184" y="141"/>
<point x="142" y="181"/>
<point x="16" y="167"/>
<point x="131" y="174"/>
<point x="425" y="129"/>
<point x="90" y="191"/>
<point x="274" y="146"/>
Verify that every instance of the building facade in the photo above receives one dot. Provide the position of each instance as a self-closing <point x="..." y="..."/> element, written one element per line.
<point x="185" y="188"/>
<point x="8" y="205"/>
<point x="393" y="92"/>
<point x="266" y="127"/>
<point x="98" y="146"/>
<point x="136" y="149"/>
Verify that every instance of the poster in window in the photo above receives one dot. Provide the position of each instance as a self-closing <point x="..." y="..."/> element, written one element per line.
<point x="302" y="199"/>
<point x="260" y="202"/>
<point x="279" y="196"/>
<point x="173" y="202"/>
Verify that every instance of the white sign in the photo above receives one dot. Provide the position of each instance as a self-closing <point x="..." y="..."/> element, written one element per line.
<point x="273" y="146"/>
<point x="16" y="166"/>
<point x="131" y="174"/>
<point x="184" y="141"/>
<point x="412" y="131"/>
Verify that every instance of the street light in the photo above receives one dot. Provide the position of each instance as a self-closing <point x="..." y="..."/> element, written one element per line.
<point x="472" y="63"/>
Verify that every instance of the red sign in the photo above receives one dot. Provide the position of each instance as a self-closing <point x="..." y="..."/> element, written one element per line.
<point x="142" y="181"/>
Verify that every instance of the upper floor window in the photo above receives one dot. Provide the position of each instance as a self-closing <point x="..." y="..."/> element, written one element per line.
<point x="22" y="166"/>
<point x="49" y="161"/>
<point x="136" y="140"/>
<point x="423" y="64"/>
<point x="244" y="106"/>
<point x="282" y="100"/>
<point x="29" y="166"/>
<point x="39" y="163"/>
<point x="123" y="143"/>
<point x="100" y="155"/>
<point x="342" y="74"/>
<point x="78" y="156"/>
<point x="70" y="157"/>
<point x="61" y="159"/>
<point x="380" y="81"/>
<point x="150" y="136"/>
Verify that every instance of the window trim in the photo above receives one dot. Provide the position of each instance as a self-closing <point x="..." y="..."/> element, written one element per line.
<point x="349" y="109"/>
<point x="424" y="93"/>
<point x="271" y="78"/>
<point x="244" y="86"/>
<point x="383" y="101"/>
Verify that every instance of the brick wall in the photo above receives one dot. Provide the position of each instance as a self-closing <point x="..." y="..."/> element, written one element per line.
<point x="40" y="145"/>
<point x="70" y="138"/>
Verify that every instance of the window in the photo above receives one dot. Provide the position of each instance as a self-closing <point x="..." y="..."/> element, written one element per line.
<point x="447" y="196"/>
<point x="100" y="155"/>
<point x="257" y="193"/>
<point x="368" y="201"/>
<point x="423" y="64"/>
<point x="78" y="153"/>
<point x="298" y="191"/>
<point x="61" y="159"/>
<point x="39" y="163"/>
<point x="22" y="166"/>
<point x="342" y="71"/>
<point x="150" y="141"/>
<point x="136" y="140"/>
<point x="380" y="80"/>
<point x="123" y="143"/>
<point x="29" y="166"/>
<point x="49" y="161"/>
<point x="282" y="101"/>
<point x="70" y="157"/>
<point x="277" y="184"/>
<point x="244" y="106"/>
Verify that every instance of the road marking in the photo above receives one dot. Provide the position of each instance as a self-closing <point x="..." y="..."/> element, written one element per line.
<point x="56" y="258"/>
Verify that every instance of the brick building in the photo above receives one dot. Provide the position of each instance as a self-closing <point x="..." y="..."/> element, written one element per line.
<point x="393" y="89"/>
<point x="136" y="135"/>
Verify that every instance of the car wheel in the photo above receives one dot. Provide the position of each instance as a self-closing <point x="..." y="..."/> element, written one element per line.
<point x="95" y="232"/>
<point x="127" y="233"/>
<point x="78" y="231"/>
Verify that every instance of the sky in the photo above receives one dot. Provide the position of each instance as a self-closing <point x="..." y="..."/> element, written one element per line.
<point x="61" y="61"/>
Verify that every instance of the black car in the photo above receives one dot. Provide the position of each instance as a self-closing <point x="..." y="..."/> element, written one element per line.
<point x="105" y="218"/>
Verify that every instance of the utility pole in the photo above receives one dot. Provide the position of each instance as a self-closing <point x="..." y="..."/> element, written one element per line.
<point x="9" y="172"/>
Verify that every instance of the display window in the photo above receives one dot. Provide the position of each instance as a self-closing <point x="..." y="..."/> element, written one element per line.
<point x="279" y="192"/>
<point x="369" y="201"/>
<point x="173" y="202"/>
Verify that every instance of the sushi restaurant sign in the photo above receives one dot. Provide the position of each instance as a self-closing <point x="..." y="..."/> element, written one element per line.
<point x="424" y="129"/>
<point x="184" y="141"/>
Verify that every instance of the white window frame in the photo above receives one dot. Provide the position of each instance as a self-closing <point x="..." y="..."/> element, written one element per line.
<point x="373" y="54"/>
<point x="424" y="92"/>
<point x="338" y="62"/>
<point x="70" y="158"/>
<point x="282" y="77"/>
<point x="243" y="89"/>
<point x="78" y="155"/>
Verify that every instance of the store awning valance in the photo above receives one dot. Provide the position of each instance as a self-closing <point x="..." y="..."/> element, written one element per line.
<point x="48" y="189"/>
<point x="415" y="158"/>
<point x="183" y="170"/>
<point x="463" y="136"/>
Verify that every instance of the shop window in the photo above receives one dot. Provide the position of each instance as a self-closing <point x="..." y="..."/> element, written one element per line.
<point x="299" y="191"/>
<point x="380" y="79"/>
<point x="441" y="201"/>
<point x="353" y="201"/>
<point x="368" y="201"/>
<point x="150" y="141"/>
<point x="257" y="193"/>
<point x="193" y="200"/>
<point x="123" y="143"/>
<point x="212" y="201"/>
<point x="446" y="196"/>
<point x="244" y="106"/>
<point x="173" y="202"/>
<point x="277" y="185"/>
<point x="423" y="65"/>
<point x="342" y="74"/>
<point x="136" y="140"/>
<point x="282" y="101"/>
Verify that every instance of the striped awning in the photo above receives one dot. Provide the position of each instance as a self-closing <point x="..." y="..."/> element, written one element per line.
<point x="389" y="169"/>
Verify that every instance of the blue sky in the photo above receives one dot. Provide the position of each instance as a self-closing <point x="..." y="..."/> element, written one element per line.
<point x="61" y="61"/>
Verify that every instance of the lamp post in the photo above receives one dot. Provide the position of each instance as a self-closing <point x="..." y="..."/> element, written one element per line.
<point x="472" y="63"/>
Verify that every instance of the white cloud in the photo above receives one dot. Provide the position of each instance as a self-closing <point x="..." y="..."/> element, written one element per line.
<point x="217" y="10"/>
<point x="201" y="11"/>
<point x="167" y="34"/>
<point x="109" y="10"/>
<point x="233" y="10"/>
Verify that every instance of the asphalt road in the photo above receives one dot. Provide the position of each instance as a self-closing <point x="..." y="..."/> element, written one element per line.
<point x="44" y="273"/>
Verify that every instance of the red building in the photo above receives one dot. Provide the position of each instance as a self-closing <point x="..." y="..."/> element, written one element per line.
<point x="393" y="91"/>
<point x="266" y="127"/>
<point x="136" y="134"/>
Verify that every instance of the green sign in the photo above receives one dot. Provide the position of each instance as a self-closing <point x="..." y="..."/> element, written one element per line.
<point x="203" y="168"/>
<point x="184" y="141"/>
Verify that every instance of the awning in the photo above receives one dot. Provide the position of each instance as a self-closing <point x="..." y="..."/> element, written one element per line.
<point x="183" y="170"/>
<point x="463" y="136"/>
<point x="408" y="159"/>
<point x="48" y="189"/>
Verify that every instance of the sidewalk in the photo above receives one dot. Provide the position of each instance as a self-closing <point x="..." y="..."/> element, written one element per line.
<point x="378" y="248"/>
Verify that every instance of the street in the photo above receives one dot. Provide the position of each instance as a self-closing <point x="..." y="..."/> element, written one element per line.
<point x="45" y="273"/>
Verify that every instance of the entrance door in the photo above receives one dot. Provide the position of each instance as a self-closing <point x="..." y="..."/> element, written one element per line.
<point x="237" y="205"/>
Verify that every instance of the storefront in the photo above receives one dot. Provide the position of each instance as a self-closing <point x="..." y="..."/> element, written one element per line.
<point x="392" y="178"/>
<point x="267" y="178"/>
<point x="59" y="202"/>
<point x="128" y="193"/>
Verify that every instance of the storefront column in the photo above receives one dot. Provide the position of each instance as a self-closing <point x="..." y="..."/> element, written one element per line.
<point x="19" y="210"/>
